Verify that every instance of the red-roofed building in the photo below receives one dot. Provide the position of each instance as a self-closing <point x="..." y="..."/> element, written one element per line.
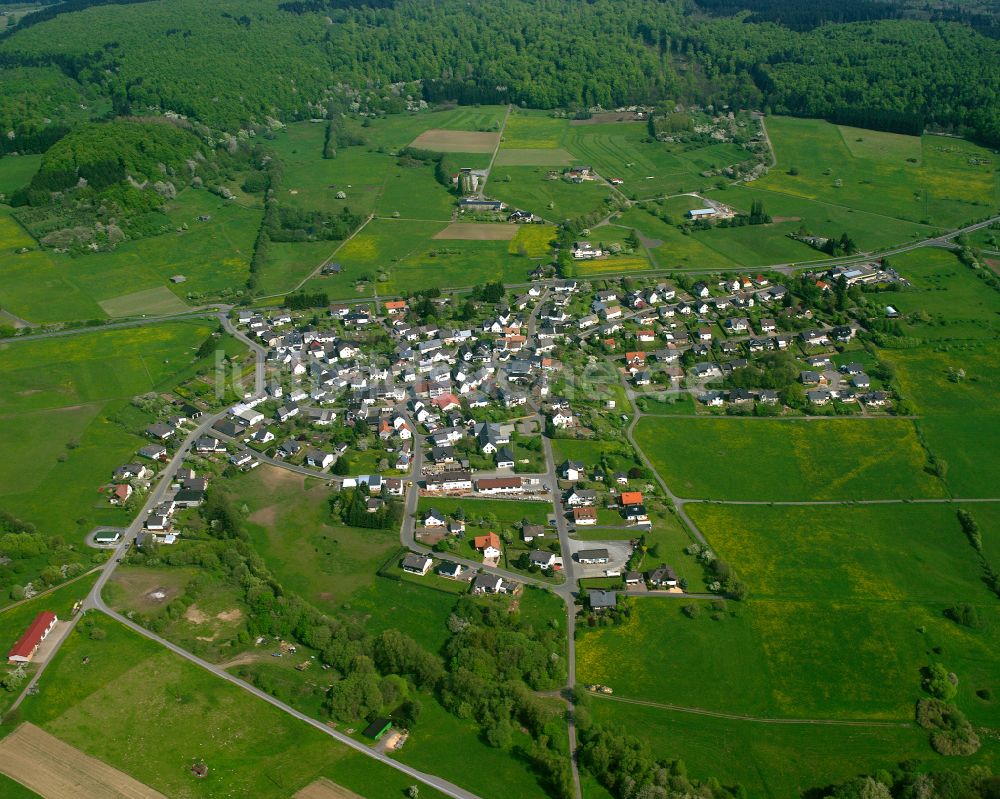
<point x="446" y="402"/>
<point x="482" y="542"/>
<point x="631" y="498"/>
<point x="394" y="307"/>
<point x="27" y="644"/>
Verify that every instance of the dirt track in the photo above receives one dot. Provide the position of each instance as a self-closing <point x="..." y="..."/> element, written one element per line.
<point x="55" y="770"/>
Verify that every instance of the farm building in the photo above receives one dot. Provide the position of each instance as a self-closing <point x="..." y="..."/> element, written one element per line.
<point x="27" y="644"/>
<point x="377" y="728"/>
<point x="702" y="213"/>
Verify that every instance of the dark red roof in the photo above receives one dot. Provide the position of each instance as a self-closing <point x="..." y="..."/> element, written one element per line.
<point x="33" y="635"/>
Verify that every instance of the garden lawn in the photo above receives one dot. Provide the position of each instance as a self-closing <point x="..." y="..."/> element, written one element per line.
<point x="174" y="714"/>
<point x="507" y="511"/>
<point x="808" y="659"/>
<point x="764" y="459"/>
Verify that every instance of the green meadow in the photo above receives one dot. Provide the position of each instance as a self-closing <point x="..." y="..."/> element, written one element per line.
<point x="931" y="179"/>
<point x="99" y="692"/>
<point x="817" y="658"/>
<point x="765" y="459"/>
<point x="875" y="553"/>
<point x="958" y="419"/>
<point x="311" y="553"/>
<point x="62" y="395"/>
<point x="530" y="188"/>
<point x="946" y="302"/>
<point x="17" y="171"/>
<point x="509" y="512"/>
<point x="403" y="255"/>
<point x="770" y="760"/>
<point x="213" y="256"/>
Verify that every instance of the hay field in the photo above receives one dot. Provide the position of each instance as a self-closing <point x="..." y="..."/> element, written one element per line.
<point x="471" y="231"/>
<point x="55" y="770"/>
<point x="158" y="301"/>
<point x="534" y="156"/>
<point x="456" y="141"/>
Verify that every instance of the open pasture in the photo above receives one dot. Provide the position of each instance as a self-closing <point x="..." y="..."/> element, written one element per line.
<point x="803" y="659"/>
<point x="534" y="241"/>
<point x="174" y="714"/>
<point x="552" y="198"/>
<point x="214" y="255"/>
<point x="768" y="760"/>
<point x="55" y="770"/>
<point x="958" y="416"/>
<point x="404" y="255"/>
<point x="396" y="131"/>
<point x="672" y="249"/>
<point x="946" y="302"/>
<point x="766" y="459"/>
<point x="472" y="231"/>
<point x="63" y="410"/>
<point x="871" y="231"/>
<point x="951" y="182"/>
<point x="456" y="141"/>
<point x="836" y="552"/>
<point x="308" y="549"/>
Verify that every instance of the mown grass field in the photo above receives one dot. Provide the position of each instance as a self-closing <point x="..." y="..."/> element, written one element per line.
<point x="174" y="714"/>
<point x="55" y="411"/>
<point x="940" y="186"/>
<point x="864" y="552"/>
<point x="670" y="248"/>
<point x="14" y="790"/>
<point x="43" y="286"/>
<point x="814" y="658"/>
<point x="769" y="760"/>
<point x="763" y="459"/>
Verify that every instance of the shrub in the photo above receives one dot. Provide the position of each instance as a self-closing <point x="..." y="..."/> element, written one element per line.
<point x="965" y="615"/>
<point x="939" y="682"/>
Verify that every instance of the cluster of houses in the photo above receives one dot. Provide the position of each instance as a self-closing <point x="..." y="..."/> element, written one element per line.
<point x="480" y="582"/>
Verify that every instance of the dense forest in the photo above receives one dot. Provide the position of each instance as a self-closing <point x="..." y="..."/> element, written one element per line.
<point x="886" y="59"/>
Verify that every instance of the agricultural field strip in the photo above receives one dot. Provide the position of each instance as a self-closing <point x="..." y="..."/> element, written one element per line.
<point x="56" y="770"/>
<point x="757" y="719"/>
